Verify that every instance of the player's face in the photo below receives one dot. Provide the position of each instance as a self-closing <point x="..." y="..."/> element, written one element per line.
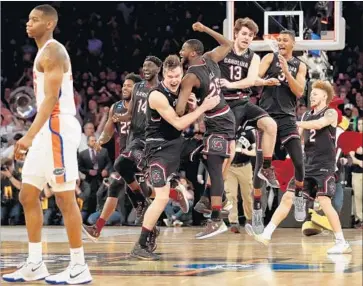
<point x="150" y="70"/>
<point x="285" y="43"/>
<point x="127" y="89"/>
<point x="172" y="78"/>
<point x="318" y="96"/>
<point x="185" y="54"/>
<point x="37" y="24"/>
<point x="244" y="38"/>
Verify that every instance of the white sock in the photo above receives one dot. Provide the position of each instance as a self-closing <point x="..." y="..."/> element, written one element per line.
<point x="270" y="228"/>
<point x="35" y="252"/>
<point x="77" y="256"/>
<point x="339" y="237"/>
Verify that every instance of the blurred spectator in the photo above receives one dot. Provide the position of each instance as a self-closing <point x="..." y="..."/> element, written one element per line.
<point x="96" y="166"/>
<point x="49" y="206"/>
<point x="10" y="187"/>
<point x="9" y="151"/>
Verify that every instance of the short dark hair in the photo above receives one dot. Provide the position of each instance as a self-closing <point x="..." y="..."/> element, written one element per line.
<point x="196" y="45"/>
<point x="134" y="77"/>
<point x="89" y="137"/>
<point x="48" y="10"/>
<point x="288" y="32"/>
<point x="155" y="60"/>
<point x="172" y="62"/>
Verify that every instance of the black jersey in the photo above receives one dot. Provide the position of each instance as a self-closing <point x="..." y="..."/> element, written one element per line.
<point x="235" y="68"/>
<point x="138" y="120"/>
<point x="209" y="74"/>
<point x="157" y="128"/>
<point x="122" y="127"/>
<point x="319" y="146"/>
<point x="280" y="100"/>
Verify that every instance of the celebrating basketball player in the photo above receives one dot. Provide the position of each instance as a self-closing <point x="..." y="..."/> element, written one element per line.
<point x="284" y="84"/>
<point x="164" y="144"/>
<point x="318" y="127"/>
<point x="117" y="184"/>
<point x="51" y="143"/>
<point x="202" y="77"/>
<point x="239" y="71"/>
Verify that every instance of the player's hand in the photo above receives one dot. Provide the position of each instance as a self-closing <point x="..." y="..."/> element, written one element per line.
<point x="192" y="102"/>
<point x="106" y="109"/>
<point x="93" y="172"/>
<point x="198" y="27"/>
<point x="104" y="173"/>
<point x="98" y="146"/>
<point x="272" y="82"/>
<point x="200" y="179"/>
<point x="226" y="83"/>
<point x="116" y="118"/>
<point x="283" y="64"/>
<point x="21" y="147"/>
<point x="211" y="101"/>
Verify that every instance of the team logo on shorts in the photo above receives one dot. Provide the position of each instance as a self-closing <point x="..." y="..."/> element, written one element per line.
<point x="156" y="176"/>
<point x="217" y="144"/>
<point x="59" y="171"/>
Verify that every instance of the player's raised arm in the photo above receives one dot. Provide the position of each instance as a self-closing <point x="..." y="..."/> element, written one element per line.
<point x="159" y="102"/>
<point x="221" y="51"/>
<point x="330" y="118"/>
<point x="264" y="66"/>
<point x="189" y="81"/>
<point x="52" y="62"/>
<point x="297" y="85"/>
<point x="107" y="131"/>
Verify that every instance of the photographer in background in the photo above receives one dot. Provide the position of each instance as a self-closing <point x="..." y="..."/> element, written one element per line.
<point x="10" y="187"/>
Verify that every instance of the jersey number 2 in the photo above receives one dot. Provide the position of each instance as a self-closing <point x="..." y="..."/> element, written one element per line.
<point x="312" y="135"/>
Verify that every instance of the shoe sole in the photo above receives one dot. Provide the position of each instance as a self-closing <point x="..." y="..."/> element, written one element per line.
<point x="143" y="258"/>
<point x="347" y="251"/>
<point x="184" y="192"/>
<point x="202" y="211"/>
<point x="66" y="283"/>
<point x="12" y="280"/>
<point x="220" y="230"/>
<point x="249" y="230"/>
<point x="262" y="177"/>
<point x="88" y="235"/>
<point x="263" y="242"/>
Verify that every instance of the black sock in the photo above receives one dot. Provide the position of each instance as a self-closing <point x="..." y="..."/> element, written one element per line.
<point x="206" y="192"/>
<point x="257" y="203"/>
<point x="224" y="196"/>
<point x="216" y="213"/>
<point x="143" y="237"/>
<point x="298" y="192"/>
<point x="135" y="197"/>
<point x="266" y="162"/>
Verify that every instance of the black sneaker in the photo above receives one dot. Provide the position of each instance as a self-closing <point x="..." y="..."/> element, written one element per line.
<point x="91" y="232"/>
<point x="143" y="253"/>
<point x="203" y="206"/>
<point x="140" y="211"/>
<point x="212" y="228"/>
<point x="269" y="176"/>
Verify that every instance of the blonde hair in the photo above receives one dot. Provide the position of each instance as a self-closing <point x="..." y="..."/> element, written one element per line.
<point x="327" y="87"/>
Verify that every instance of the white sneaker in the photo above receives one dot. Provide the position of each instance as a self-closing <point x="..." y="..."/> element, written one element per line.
<point x="167" y="222"/>
<point x="249" y="229"/>
<point x="177" y="223"/>
<point x="262" y="239"/>
<point x="340" y="248"/>
<point x="28" y="271"/>
<point x="74" y="274"/>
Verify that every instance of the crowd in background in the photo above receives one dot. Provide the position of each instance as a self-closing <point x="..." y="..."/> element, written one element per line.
<point x="105" y="45"/>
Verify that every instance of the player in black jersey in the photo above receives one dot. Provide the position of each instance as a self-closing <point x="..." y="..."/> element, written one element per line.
<point x="284" y="84"/>
<point x="203" y="77"/>
<point x="239" y="71"/>
<point x="164" y="144"/>
<point x="319" y="130"/>
<point x="130" y="162"/>
<point x="116" y="184"/>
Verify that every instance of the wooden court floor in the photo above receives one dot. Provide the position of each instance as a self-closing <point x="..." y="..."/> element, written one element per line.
<point x="227" y="259"/>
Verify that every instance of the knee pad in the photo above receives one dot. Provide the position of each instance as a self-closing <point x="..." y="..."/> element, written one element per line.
<point x="126" y="168"/>
<point x="117" y="185"/>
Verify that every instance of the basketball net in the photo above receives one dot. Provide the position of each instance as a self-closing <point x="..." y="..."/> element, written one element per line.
<point x="272" y="42"/>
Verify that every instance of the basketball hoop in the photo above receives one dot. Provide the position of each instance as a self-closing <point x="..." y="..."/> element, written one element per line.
<point x="271" y="40"/>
